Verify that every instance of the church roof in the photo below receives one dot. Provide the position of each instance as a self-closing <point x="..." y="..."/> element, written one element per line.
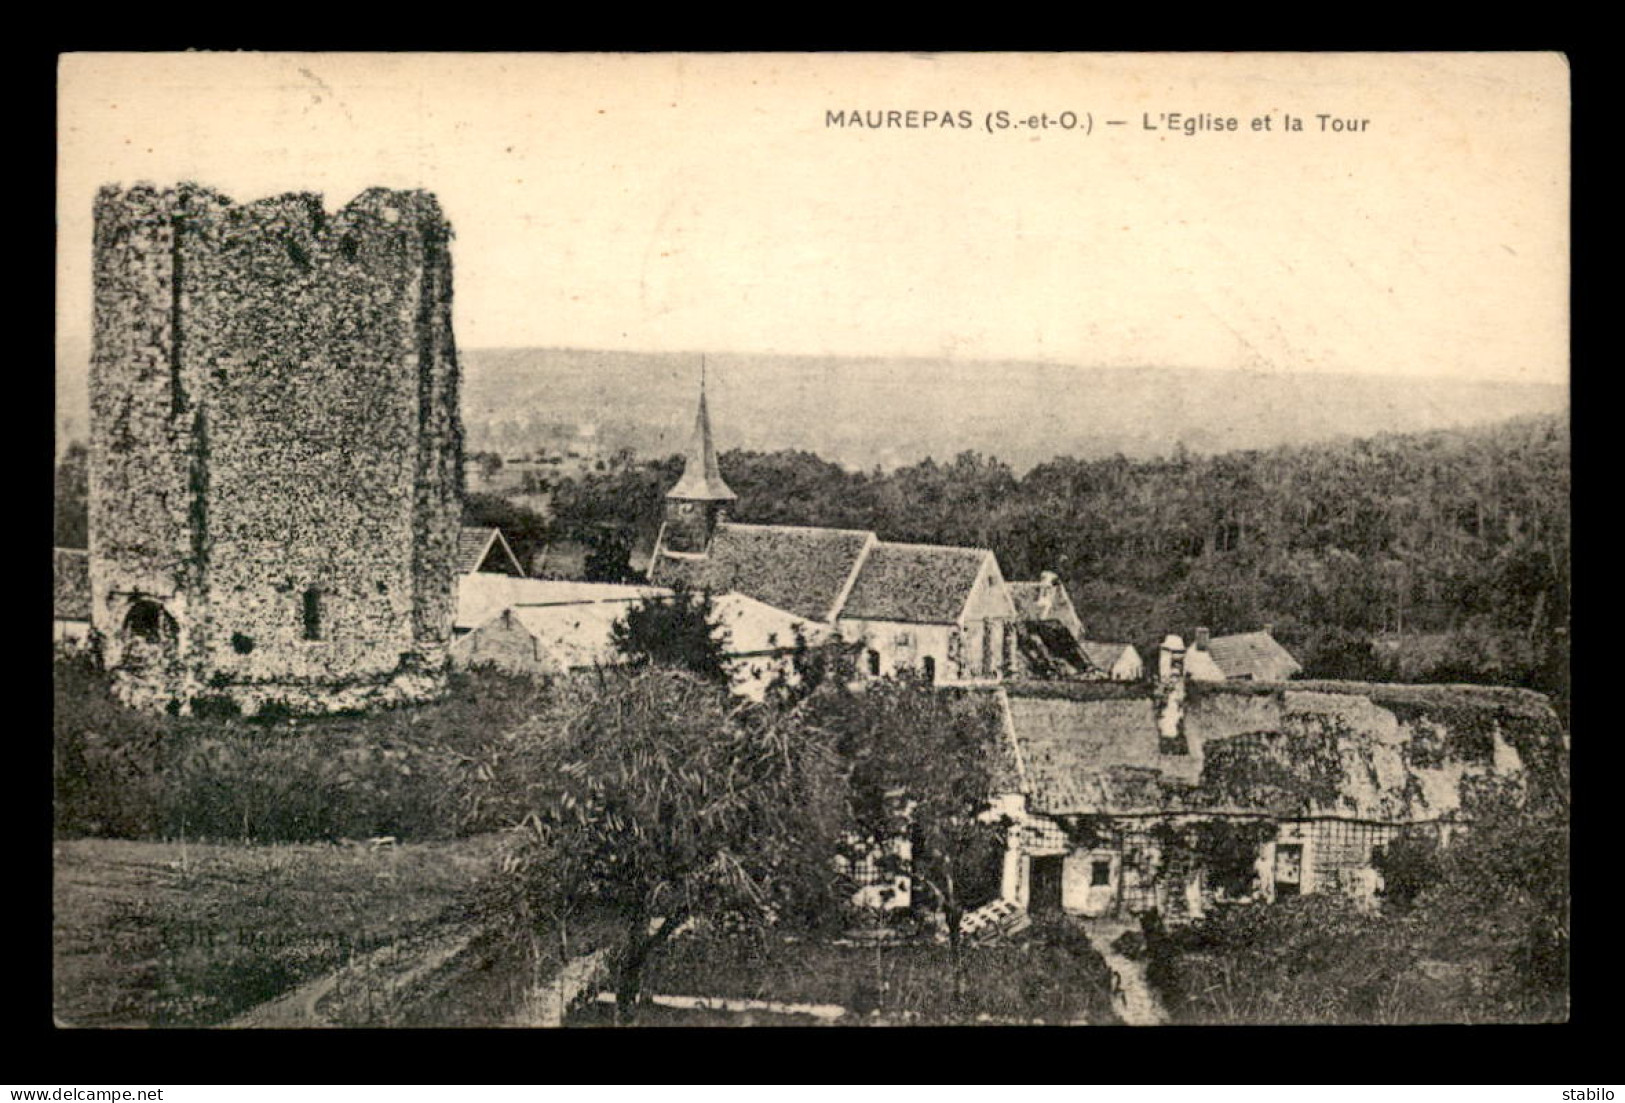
<point x="702" y="480"/>
<point x="803" y="571"/>
<point x="916" y="583"/>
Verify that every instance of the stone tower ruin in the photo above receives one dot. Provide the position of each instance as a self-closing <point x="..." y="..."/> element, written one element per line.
<point x="276" y="454"/>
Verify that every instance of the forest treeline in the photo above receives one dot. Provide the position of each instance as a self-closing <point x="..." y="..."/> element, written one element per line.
<point x="1437" y="556"/>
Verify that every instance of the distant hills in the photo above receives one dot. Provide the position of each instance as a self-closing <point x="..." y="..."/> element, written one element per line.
<point x="864" y="412"/>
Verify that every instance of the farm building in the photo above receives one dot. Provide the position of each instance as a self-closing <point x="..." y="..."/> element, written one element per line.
<point x="1245" y="657"/>
<point x="1174" y="796"/>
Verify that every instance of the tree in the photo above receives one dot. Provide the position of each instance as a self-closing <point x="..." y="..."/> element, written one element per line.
<point x="924" y="765"/>
<point x="663" y="800"/>
<point x="680" y="631"/>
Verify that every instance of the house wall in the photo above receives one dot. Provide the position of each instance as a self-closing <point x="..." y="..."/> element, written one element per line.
<point x="504" y="643"/>
<point x="1335" y="857"/>
<point x="902" y="645"/>
<point x="274" y="411"/>
<point x="1128" y="667"/>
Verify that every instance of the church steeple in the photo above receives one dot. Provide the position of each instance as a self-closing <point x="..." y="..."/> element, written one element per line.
<point x="697" y="504"/>
<point x="702" y="480"/>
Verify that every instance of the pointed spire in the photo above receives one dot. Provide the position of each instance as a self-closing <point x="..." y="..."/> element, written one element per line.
<point x="702" y="480"/>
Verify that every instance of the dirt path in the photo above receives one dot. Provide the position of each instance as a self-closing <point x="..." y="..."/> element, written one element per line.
<point x="1135" y="1002"/>
<point x="388" y="970"/>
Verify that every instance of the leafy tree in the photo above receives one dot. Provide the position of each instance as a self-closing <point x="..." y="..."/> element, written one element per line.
<point x="924" y="766"/>
<point x="608" y="560"/>
<point x="72" y="523"/>
<point x="1409" y="864"/>
<point x="681" y="631"/>
<point x="665" y="802"/>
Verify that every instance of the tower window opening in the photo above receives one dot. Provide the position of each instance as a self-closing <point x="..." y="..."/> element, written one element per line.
<point x="147" y="620"/>
<point x="313" y="614"/>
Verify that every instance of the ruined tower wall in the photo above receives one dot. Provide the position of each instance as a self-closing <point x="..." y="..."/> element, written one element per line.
<point x="306" y="492"/>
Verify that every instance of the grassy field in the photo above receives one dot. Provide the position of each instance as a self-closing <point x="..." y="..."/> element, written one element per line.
<point x="1044" y="975"/>
<point x="173" y="934"/>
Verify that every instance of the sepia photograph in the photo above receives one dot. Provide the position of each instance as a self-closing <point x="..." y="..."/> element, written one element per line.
<point x="811" y="539"/>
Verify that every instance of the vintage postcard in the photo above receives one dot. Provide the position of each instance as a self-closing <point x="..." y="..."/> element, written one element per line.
<point x="852" y="539"/>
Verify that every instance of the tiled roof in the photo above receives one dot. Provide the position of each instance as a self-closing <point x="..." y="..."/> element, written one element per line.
<point x="70" y="571"/>
<point x="482" y="596"/>
<point x="1064" y="745"/>
<point x="1254" y="655"/>
<point x="475" y="546"/>
<point x="916" y="583"/>
<point x="1336" y="749"/>
<point x="1103" y="655"/>
<point x="1049" y="650"/>
<point x="754" y="627"/>
<point x="800" y="570"/>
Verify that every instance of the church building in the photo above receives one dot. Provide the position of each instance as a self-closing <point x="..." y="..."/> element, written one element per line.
<point x="946" y="613"/>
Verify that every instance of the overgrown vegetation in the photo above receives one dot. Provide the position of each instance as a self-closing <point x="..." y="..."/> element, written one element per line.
<point x="1474" y="932"/>
<point x="439" y="771"/>
<point x="1048" y="974"/>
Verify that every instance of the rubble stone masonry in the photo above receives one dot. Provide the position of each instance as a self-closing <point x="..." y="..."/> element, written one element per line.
<point x="276" y="454"/>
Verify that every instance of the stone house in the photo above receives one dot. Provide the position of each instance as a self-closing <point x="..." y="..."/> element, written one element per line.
<point x="1124" y="799"/>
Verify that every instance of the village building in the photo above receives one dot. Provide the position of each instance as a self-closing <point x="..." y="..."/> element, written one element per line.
<point x="70" y="596"/>
<point x="1122" y="799"/>
<point x="944" y="613"/>
<point x="1245" y="657"/>
<point x="543" y="627"/>
<point x="1120" y="661"/>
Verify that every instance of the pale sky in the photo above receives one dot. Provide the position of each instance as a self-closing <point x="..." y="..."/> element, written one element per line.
<point x="700" y="202"/>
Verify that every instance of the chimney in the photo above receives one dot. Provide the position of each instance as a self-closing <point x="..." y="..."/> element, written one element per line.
<point x="1171" y="666"/>
<point x="1201" y="639"/>
<point x="1046" y="600"/>
<point x="1170" y="699"/>
<point x="1269" y="628"/>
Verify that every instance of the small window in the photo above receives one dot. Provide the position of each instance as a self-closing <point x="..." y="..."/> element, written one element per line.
<point x="874" y="663"/>
<point x="929" y="666"/>
<point x="313" y="614"/>
<point x="1100" y="872"/>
